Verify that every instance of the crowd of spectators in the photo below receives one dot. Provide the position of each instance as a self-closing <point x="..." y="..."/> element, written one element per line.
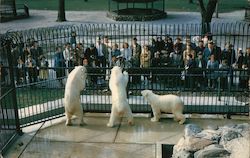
<point x="31" y="62"/>
<point x="202" y="62"/>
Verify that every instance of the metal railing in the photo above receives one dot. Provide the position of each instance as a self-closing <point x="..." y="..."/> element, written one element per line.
<point x="43" y="101"/>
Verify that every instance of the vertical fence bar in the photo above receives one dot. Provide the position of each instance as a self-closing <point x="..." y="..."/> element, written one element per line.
<point x="12" y="79"/>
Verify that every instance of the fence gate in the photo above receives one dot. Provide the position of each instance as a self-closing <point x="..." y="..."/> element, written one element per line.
<point x="9" y="122"/>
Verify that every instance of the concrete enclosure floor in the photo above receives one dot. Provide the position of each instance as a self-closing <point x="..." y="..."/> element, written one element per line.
<point x="95" y="140"/>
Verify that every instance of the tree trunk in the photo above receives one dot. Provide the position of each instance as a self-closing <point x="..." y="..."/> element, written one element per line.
<point x="207" y="15"/>
<point x="14" y="7"/>
<point x="61" y="11"/>
<point x="205" y="27"/>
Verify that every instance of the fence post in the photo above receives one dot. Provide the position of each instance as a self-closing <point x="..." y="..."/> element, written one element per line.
<point x="12" y="84"/>
<point x="219" y="91"/>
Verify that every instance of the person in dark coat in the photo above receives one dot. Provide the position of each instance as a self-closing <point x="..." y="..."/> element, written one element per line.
<point x="91" y="54"/>
<point x="190" y="71"/>
<point x="200" y="70"/>
<point x="135" y="59"/>
<point x="59" y="64"/>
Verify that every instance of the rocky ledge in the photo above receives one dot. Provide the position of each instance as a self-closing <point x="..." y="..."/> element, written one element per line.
<point x="224" y="142"/>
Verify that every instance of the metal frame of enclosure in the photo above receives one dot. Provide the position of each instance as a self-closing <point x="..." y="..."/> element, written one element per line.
<point x="132" y="4"/>
<point x="136" y="10"/>
<point x="29" y="104"/>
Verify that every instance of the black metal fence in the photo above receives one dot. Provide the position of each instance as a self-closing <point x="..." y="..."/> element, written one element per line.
<point x="9" y="122"/>
<point x="205" y="91"/>
<point x="43" y="101"/>
<point x="48" y="39"/>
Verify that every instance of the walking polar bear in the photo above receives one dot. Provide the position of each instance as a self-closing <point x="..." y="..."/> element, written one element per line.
<point x="117" y="84"/>
<point x="165" y="103"/>
<point x="74" y="85"/>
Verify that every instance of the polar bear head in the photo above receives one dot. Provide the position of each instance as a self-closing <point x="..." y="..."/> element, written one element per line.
<point x="82" y="71"/>
<point x="145" y="93"/>
<point x="116" y="69"/>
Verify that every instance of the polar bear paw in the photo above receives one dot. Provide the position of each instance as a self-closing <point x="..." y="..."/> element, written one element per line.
<point x="82" y="124"/>
<point x="131" y="122"/>
<point x="182" y="121"/>
<point x="110" y="125"/>
<point x="125" y="73"/>
<point x="154" y="120"/>
<point x="68" y="123"/>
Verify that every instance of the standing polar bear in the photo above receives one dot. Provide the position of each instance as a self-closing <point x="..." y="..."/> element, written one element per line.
<point x="74" y="85"/>
<point x="165" y="103"/>
<point x="117" y="84"/>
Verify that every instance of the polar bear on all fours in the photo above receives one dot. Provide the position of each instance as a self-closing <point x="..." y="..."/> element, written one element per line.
<point x="120" y="107"/>
<point x="74" y="85"/>
<point x="165" y="103"/>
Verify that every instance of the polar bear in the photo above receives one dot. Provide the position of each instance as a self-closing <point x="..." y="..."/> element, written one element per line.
<point x="74" y="85"/>
<point x="165" y="103"/>
<point x="117" y="84"/>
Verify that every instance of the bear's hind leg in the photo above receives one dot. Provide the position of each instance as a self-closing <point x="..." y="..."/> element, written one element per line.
<point x="113" y="117"/>
<point x="129" y="116"/>
<point x="80" y="118"/>
<point x="179" y="117"/>
<point x="182" y="119"/>
<point x="68" y="119"/>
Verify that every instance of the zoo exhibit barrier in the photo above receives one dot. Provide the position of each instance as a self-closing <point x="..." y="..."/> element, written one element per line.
<point x="43" y="100"/>
<point x="9" y="120"/>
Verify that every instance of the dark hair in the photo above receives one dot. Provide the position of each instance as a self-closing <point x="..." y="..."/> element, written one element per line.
<point x="190" y="55"/>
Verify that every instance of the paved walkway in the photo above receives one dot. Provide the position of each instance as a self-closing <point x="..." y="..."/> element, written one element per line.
<point x="95" y="140"/>
<point x="45" y="18"/>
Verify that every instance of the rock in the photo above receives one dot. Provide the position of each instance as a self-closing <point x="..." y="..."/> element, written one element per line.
<point x="212" y="127"/>
<point x="228" y="135"/>
<point x="182" y="154"/>
<point x="239" y="147"/>
<point x="212" y="151"/>
<point x="191" y="130"/>
<point x="227" y="141"/>
<point x="179" y="146"/>
<point x="193" y="144"/>
<point x="243" y="127"/>
<point x="213" y="135"/>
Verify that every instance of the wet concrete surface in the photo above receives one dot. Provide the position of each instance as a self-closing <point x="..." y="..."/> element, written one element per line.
<point x="95" y="140"/>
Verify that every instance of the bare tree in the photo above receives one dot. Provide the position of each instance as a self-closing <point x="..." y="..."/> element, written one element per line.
<point x="61" y="11"/>
<point x="207" y="14"/>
